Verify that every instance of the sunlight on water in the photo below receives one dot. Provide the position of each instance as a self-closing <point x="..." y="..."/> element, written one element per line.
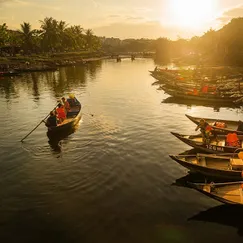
<point x="112" y="176"/>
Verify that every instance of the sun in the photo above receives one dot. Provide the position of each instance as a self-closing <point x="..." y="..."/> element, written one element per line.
<point x="191" y="13"/>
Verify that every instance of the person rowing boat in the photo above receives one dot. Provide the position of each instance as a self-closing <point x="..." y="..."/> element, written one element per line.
<point x="61" y="115"/>
<point x="52" y="120"/>
<point x="73" y="101"/>
<point x="206" y="131"/>
<point x="66" y="105"/>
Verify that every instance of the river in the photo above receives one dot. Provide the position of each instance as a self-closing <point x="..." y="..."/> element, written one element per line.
<point x="111" y="180"/>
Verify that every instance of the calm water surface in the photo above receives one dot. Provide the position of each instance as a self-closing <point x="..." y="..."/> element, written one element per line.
<point x="110" y="181"/>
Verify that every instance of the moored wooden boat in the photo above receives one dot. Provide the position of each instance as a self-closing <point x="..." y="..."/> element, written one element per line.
<point x="216" y="106"/>
<point x="228" y="192"/>
<point x="220" y="126"/>
<point x="9" y="73"/>
<point x="214" y="146"/>
<point x="36" y="69"/>
<point x="214" y="98"/>
<point x="217" y="166"/>
<point x="73" y="117"/>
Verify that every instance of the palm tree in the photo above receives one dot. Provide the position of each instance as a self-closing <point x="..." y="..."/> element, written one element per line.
<point x="27" y="35"/>
<point x="62" y="34"/>
<point x="3" y="34"/>
<point x="77" y="32"/>
<point x="89" y="38"/>
<point x="49" y="33"/>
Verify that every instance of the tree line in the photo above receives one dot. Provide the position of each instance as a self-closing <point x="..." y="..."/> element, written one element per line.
<point x="224" y="46"/>
<point x="53" y="36"/>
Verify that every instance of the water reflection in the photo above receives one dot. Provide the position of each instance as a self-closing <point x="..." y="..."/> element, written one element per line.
<point x="93" y="68"/>
<point x="59" y="81"/>
<point x="228" y="215"/>
<point x="36" y="93"/>
<point x="189" y="103"/>
<point x="56" y="141"/>
<point x="189" y="178"/>
<point x="8" y="88"/>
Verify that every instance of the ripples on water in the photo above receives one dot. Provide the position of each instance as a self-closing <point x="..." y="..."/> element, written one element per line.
<point x="110" y="180"/>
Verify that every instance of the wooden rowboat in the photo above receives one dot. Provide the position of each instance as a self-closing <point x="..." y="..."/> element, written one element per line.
<point x="219" y="146"/>
<point x="73" y="117"/>
<point x="178" y="101"/>
<point x="9" y="73"/>
<point x="214" y="98"/>
<point x="230" y="126"/>
<point x="229" y="192"/>
<point x="216" y="166"/>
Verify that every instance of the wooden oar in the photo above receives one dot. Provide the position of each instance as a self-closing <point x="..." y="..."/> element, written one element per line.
<point x="37" y="125"/>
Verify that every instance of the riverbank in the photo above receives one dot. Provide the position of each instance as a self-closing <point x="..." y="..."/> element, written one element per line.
<point x="51" y="62"/>
<point x="46" y="62"/>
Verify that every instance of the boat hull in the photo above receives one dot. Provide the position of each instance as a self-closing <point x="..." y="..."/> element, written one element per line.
<point x="221" y="191"/>
<point x="209" y="148"/>
<point x="231" y="125"/>
<point x="72" y="120"/>
<point x="206" y="98"/>
<point x="60" y="129"/>
<point x="211" y="172"/>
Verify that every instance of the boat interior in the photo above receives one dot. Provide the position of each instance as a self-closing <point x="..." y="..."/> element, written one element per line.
<point x="232" y="193"/>
<point x="70" y="115"/>
<point x="231" y="125"/>
<point x="220" y="141"/>
<point x="216" y="162"/>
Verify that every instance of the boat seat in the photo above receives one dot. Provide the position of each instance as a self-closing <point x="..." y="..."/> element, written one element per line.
<point x="237" y="164"/>
<point x="201" y="161"/>
<point x="207" y="188"/>
<point x="221" y="143"/>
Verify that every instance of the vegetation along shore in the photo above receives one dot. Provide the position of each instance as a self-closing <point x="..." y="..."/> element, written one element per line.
<point x="56" y="44"/>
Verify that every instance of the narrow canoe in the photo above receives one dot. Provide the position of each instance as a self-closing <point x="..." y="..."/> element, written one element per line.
<point x="216" y="106"/>
<point x="73" y="117"/>
<point x="196" y="141"/>
<point x="207" y="97"/>
<point x="223" y="167"/>
<point x="230" y="126"/>
<point x="228" y="192"/>
<point x="9" y="73"/>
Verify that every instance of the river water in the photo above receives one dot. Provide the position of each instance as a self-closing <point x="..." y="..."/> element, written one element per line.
<point x="111" y="180"/>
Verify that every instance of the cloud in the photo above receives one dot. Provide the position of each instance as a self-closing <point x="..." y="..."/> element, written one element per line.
<point x="235" y="12"/>
<point x="95" y="3"/>
<point x="134" y="18"/>
<point x="231" y="13"/>
<point x="13" y="1"/>
<point x="149" y="29"/>
<point x="114" y="16"/>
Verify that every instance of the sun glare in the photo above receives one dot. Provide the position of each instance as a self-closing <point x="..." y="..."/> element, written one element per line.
<point x="191" y="13"/>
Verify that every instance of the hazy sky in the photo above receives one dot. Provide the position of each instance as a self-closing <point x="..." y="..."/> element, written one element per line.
<point x="126" y="18"/>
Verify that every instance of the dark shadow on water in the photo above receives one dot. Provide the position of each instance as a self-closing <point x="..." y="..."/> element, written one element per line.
<point x="36" y="92"/>
<point x="190" y="151"/>
<point x="196" y="178"/>
<point x="190" y="177"/>
<point x="228" y="215"/>
<point x="56" y="140"/>
<point x="189" y="103"/>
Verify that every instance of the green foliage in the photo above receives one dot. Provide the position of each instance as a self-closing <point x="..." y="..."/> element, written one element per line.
<point x="53" y="36"/>
<point x="3" y="35"/>
<point x="224" y="46"/>
<point x="56" y="36"/>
